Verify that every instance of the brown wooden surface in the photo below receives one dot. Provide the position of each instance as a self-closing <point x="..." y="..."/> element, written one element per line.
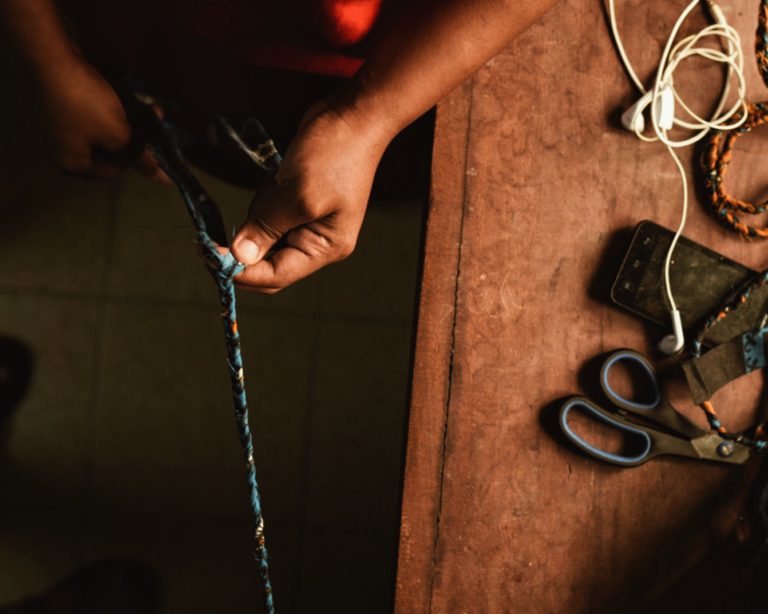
<point x="531" y="182"/>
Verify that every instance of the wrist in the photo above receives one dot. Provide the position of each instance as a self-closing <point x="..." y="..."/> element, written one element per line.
<point x="369" y="112"/>
<point x="53" y="70"/>
<point x="62" y="76"/>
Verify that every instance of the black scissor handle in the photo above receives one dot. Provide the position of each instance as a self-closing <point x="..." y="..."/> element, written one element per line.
<point x="612" y="420"/>
<point x="649" y="374"/>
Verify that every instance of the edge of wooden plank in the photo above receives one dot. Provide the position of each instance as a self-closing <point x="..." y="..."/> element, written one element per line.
<point x="433" y="356"/>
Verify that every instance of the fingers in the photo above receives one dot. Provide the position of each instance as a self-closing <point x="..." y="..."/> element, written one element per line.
<point x="274" y="212"/>
<point x="308" y="249"/>
<point x="147" y="165"/>
<point x="285" y="267"/>
<point x="109" y="164"/>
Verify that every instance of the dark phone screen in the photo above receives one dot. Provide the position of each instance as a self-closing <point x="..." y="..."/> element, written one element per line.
<point x="702" y="280"/>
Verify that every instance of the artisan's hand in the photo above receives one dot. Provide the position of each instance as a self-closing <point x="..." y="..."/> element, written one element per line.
<point x="317" y="203"/>
<point x="89" y="126"/>
<point x="88" y="123"/>
<point x="322" y="189"/>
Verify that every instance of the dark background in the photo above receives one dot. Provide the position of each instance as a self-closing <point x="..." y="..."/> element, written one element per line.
<point x="116" y="431"/>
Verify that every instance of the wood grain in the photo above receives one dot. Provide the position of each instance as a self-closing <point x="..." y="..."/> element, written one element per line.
<point x="532" y="181"/>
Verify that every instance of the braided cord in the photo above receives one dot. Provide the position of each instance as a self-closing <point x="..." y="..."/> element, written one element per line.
<point x="730" y="305"/>
<point x="757" y="439"/>
<point x="715" y="160"/>
<point x="227" y="267"/>
<point x="223" y="268"/>
<point x="761" y="40"/>
<point x="716" y="157"/>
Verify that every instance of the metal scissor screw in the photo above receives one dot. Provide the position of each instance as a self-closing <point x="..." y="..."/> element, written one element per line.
<point x="726" y="448"/>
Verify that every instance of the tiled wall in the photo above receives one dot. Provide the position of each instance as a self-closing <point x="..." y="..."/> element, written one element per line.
<point x="125" y="443"/>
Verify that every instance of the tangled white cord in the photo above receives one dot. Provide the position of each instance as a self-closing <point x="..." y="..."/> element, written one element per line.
<point x="663" y="97"/>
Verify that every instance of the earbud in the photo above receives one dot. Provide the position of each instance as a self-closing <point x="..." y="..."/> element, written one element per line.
<point x="634" y="121"/>
<point x="716" y="12"/>
<point x="673" y="343"/>
<point x="662" y="98"/>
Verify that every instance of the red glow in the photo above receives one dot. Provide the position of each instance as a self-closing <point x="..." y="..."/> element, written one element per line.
<point x="347" y="22"/>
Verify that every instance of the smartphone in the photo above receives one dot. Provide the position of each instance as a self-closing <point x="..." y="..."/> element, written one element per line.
<point x="702" y="280"/>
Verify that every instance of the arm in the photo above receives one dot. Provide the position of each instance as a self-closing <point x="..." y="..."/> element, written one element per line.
<point x="431" y="52"/>
<point x="39" y="34"/>
<point x="86" y="117"/>
<point x="319" y="199"/>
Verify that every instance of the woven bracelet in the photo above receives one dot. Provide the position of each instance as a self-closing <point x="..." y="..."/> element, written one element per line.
<point x="715" y="159"/>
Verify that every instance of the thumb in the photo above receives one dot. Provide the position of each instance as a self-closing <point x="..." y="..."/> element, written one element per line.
<point x="272" y="214"/>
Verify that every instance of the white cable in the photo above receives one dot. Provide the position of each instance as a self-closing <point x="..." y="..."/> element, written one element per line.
<point x="672" y="56"/>
<point x="687" y="48"/>
<point x="680" y="228"/>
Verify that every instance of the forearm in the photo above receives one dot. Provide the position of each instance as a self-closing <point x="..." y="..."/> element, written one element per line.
<point x="38" y="33"/>
<point x="429" y="51"/>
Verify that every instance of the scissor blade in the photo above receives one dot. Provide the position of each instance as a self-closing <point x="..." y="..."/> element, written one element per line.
<point x="668" y="417"/>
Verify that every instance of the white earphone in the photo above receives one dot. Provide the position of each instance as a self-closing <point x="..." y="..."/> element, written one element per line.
<point x="663" y="100"/>
<point x="633" y="118"/>
<point x="674" y="342"/>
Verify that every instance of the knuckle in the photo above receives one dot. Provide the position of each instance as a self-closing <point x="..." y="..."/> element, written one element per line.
<point x="305" y="209"/>
<point x="309" y="207"/>
<point x="266" y="227"/>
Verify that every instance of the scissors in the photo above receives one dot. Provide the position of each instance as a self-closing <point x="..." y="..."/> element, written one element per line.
<point x="655" y="424"/>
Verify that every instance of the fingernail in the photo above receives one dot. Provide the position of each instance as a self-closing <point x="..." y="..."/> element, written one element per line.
<point x="246" y="251"/>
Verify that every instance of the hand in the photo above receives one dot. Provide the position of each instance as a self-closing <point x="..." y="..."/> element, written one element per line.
<point x="317" y="202"/>
<point x="89" y="126"/>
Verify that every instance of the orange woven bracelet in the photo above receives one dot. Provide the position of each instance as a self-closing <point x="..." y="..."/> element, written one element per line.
<point x="715" y="159"/>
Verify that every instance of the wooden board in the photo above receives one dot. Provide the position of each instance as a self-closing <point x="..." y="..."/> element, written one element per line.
<point x="532" y="181"/>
